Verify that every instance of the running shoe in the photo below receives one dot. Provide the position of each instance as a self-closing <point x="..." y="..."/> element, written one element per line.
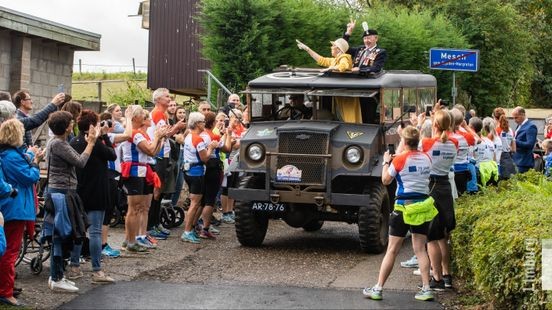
<point x="411" y="263"/>
<point x="448" y="280"/>
<point x="425" y="295"/>
<point x="189" y="237"/>
<point x="227" y="219"/>
<point x="163" y="230"/>
<point x="152" y="240"/>
<point x="110" y="252"/>
<point x="136" y="248"/>
<point x="214" y="230"/>
<point x="124" y="246"/>
<point x="372" y="293"/>
<point x="142" y="241"/>
<point x="205" y="234"/>
<point x="157" y="234"/>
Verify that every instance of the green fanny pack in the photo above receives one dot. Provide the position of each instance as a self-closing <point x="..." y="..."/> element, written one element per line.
<point x="418" y="213"/>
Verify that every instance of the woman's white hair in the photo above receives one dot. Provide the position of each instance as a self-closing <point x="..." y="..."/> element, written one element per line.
<point x="136" y="110"/>
<point x="194" y="118"/>
<point x="235" y="113"/>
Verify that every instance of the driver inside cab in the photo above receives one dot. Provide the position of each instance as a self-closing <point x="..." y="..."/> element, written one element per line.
<point x="295" y="109"/>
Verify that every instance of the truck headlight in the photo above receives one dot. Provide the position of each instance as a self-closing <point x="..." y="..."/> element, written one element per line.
<point x="255" y="152"/>
<point x="353" y="154"/>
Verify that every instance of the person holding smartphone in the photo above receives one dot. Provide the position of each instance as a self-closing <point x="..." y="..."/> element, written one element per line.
<point x="413" y="210"/>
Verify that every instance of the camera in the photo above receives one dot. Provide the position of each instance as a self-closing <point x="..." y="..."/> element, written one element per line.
<point x="444" y="103"/>
<point x="109" y="123"/>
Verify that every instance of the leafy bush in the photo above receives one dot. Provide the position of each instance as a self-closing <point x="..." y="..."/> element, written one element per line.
<point x="134" y="93"/>
<point x="245" y="38"/>
<point x="489" y="243"/>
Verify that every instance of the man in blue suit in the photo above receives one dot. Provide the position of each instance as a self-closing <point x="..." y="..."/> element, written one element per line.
<point x="526" y="137"/>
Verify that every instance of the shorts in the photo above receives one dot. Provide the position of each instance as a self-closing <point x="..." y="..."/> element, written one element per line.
<point x="398" y="228"/>
<point x="232" y="181"/>
<point x="195" y="184"/>
<point x="135" y="186"/>
<point x="445" y="221"/>
<point x="213" y="179"/>
<point x="166" y="170"/>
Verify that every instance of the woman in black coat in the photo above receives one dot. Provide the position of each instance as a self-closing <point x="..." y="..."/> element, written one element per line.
<point x="93" y="189"/>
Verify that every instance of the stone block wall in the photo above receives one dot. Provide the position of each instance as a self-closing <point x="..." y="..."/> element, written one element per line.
<point x="51" y="65"/>
<point x="5" y="60"/>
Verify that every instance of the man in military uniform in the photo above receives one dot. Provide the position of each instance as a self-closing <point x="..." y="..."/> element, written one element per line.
<point x="368" y="58"/>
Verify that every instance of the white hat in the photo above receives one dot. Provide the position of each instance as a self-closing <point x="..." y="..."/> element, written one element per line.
<point x="7" y="110"/>
<point x="341" y="44"/>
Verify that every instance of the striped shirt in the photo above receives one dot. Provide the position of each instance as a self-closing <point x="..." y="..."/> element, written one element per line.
<point x="131" y="153"/>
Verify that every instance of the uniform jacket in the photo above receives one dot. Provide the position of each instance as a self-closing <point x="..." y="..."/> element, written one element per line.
<point x="526" y="137"/>
<point x="373" y="62"/>
<point x="21" y="174"/>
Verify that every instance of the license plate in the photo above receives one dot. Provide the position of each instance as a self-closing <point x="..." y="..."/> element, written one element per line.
<point x="268" y="207"/>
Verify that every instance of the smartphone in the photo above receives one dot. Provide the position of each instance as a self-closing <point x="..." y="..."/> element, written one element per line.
<point x="391" y="148"/>
<point x="61" y="88"/>
<point x="444" y="103"/>
<point x="428" y="110"/>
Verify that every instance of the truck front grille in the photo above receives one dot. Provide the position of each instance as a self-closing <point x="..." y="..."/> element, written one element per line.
<point x="299" y="146"/>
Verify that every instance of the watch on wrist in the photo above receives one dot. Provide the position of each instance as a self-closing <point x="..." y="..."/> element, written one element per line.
<point x="385" y="163"/>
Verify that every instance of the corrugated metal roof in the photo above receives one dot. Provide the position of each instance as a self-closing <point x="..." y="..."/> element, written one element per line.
<point x="174" y="49"/>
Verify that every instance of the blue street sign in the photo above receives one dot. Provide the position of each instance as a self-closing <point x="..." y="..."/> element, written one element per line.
<point x="454" y="60"/>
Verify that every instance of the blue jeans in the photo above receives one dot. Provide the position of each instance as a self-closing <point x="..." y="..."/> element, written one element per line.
<point x="56" y="260"/>
<point x="96" y="218"/>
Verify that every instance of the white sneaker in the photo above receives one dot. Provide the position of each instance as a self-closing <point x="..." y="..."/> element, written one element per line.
<point x="417" y="272"/>
<point x="63" y="285"/>
<point x="64" y="279"/>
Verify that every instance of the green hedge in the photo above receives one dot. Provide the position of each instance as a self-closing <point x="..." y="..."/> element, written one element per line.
<point x="490" y="243"/>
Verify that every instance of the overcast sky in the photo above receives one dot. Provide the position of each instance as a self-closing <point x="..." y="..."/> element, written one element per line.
<point x="122" y="37"/>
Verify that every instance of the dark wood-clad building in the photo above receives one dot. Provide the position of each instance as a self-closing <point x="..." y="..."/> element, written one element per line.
<point x="174" y="47"/>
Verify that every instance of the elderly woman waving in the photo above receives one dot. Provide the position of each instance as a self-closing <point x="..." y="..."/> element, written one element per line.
<point x="340" y="60"/>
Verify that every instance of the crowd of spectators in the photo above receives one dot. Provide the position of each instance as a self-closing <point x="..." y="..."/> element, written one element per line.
<point x="89" y="158"/>
<point x="150" y="155"/>
<point x="462" y="156"/>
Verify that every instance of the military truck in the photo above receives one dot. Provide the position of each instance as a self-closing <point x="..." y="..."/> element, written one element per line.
<point x="318" y="157"/>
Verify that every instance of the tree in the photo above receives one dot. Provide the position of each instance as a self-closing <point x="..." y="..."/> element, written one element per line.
<point x="244" y="38"/>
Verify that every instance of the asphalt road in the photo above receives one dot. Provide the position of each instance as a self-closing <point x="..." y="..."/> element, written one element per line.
<point x="293" y="269"/>
<point x="130" y="295"/>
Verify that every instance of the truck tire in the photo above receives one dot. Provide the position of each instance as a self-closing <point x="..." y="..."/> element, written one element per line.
<point x="313" y="225"/>
<point x="251" y="227"/>
<point x="373" y="220"/>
